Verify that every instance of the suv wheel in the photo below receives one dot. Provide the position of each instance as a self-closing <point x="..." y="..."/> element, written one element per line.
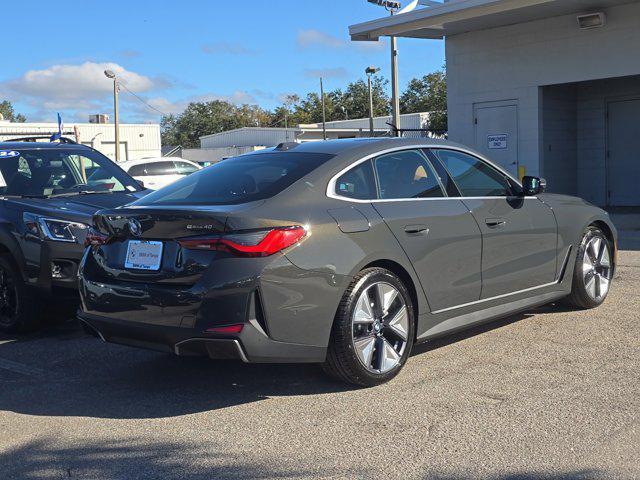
<point x="373" y="330"/>
<point x="17" y="310"/>
<point x="593" y="272"/>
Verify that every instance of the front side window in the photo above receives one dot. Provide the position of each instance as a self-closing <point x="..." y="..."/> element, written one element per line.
<point x="47" y="172"/>
<point x="406" y="174"/>
<point x="358" y="183"/>
<point x="474" y="177"/>
<point x="243" y="179"/>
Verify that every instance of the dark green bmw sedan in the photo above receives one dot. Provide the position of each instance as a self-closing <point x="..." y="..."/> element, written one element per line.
<point x="344" y="253"/>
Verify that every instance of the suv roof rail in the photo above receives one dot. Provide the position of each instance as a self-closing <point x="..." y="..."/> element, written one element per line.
<point x="39" y="137"/>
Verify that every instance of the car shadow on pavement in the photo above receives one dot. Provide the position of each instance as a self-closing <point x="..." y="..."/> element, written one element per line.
<point x="132" y="458"/>
<point x="60" y="371"/>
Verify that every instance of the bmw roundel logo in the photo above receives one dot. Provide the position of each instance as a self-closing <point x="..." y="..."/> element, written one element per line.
<point x="134" y="227"/>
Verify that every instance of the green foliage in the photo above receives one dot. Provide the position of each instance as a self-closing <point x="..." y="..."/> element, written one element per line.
<point x="6" y="109"/>
<point x="205" y="118"/>
<point x="427" y="94"/>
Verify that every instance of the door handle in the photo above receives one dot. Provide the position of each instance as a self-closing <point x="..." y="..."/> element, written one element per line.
<point x="495" y="222"/>
<point x="412" y="229"/>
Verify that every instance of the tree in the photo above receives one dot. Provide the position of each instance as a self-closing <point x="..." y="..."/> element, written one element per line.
<point x="205" y="118"/>
<point x="6" y="109"/>
<point x="427" y="94"/>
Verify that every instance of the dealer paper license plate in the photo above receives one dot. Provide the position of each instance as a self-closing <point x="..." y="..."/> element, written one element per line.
<point x="143" y="255"/>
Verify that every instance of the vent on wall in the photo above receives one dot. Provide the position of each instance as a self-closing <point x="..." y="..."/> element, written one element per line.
<point x="591" y="20"/>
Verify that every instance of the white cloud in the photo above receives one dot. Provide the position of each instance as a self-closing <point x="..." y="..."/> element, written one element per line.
<point x="337" y="72"/>
<point x="315" y="38"/>
<point x="73" y="86"/>
<point x="311" y="38"/>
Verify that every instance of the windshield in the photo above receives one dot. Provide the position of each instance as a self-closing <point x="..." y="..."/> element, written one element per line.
<point x="53" y="172"/>
<point x="238" y="180"/>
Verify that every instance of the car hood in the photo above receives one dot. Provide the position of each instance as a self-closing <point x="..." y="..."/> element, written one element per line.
<point x="79" y="208"/>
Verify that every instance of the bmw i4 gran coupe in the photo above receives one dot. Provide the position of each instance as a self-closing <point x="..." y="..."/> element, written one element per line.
<point x="344" y="253"/>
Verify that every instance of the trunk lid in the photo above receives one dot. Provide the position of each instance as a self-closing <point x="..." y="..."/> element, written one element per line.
<point x="166" y="225"/>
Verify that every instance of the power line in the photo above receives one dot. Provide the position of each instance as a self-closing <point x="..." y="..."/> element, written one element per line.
<point x="142" y="100"/>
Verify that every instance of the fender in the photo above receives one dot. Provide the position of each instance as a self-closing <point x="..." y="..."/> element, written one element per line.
<point x="10" y="244"/>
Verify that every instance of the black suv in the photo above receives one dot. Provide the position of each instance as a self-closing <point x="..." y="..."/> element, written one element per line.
<point x="49" y="192"/>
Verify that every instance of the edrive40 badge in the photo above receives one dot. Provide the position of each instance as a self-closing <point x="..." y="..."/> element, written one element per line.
<point x="8" y="154"/>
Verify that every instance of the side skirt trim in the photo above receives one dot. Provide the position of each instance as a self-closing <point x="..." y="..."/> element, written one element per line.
<point x="469" y="320"/>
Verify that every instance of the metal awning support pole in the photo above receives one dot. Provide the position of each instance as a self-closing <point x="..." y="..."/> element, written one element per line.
<point x="395" y="96"/>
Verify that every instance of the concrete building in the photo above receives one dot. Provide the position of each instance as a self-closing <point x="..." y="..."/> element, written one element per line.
<point x="546" y="87"/>
<point x="136" y="140"/>
<point x="222" y="145"/>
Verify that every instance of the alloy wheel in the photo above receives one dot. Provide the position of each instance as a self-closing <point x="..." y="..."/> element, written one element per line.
<point x="596" y="268"/>
<point x="380" y="326"/>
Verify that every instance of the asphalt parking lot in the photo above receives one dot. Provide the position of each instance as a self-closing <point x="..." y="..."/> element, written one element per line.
<point x="547" y="394"/>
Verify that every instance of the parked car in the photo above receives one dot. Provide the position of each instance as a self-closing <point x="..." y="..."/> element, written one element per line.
<point x="343" y="252"/>
<point x="48" y="195"/>
<point x="155" y="173"/>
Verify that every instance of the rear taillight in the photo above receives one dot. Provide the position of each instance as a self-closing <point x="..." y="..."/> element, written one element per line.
<point x="254" y="244"/>
<point x="95" y="238"/>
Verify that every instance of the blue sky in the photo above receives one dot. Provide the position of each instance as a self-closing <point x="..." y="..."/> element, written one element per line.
<point x="173" y="52"/>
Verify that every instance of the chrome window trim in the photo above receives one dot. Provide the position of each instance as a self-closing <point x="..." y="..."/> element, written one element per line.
<point x="331" y="187"/>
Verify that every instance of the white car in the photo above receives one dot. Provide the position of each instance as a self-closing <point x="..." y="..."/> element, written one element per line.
<point x="156" y="173"/>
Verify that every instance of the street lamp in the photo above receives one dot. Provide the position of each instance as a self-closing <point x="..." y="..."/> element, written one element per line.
<point x="111" y="74"/>
<point x="392" y="7"/>
<point x="371" y="71"/>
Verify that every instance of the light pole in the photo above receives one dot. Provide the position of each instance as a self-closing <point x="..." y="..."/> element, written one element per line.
<point x="116" y="88"/>
<point x="392" y="7"/>
<point x="371" y="71"/>
<point x="324" y="111"/>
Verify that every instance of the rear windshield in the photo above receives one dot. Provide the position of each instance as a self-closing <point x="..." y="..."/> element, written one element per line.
<point x="238" y="180"/>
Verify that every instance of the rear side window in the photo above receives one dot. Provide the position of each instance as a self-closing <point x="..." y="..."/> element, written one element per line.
<point x="137" y="170"/>
<point x="160" y="168"/>
<point x="358" y="183"/>
<point x="238" y="180"/>
<point x="474" y="177"/>
<point x="406" y="174"/>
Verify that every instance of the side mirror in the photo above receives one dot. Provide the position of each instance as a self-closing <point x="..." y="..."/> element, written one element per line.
<point x="141" y="183"/>
<point x="533" y="185"/>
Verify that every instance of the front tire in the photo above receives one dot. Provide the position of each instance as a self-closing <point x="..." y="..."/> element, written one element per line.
<point x="593" y="270"/>
<point x="18" y="311"/>
<point x="373" y="331"/>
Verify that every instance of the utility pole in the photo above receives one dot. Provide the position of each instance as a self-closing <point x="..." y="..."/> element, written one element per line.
<point x="324" y="112"/>
<point x="370" y="71"/>
<point x="392" y="6"/>
<point x="116" y="89"/>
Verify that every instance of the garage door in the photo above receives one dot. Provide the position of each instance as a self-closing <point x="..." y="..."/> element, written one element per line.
<point x="497" y="133"/>
<point x="623" y="156"/>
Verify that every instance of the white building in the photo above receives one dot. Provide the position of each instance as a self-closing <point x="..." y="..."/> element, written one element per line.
<point x="217" y="146"/>
<point x="136" y="140"/>
<point x="541" y="88"/>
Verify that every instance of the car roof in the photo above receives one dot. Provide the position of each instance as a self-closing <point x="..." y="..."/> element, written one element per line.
<point x="359" y="145"/>
<point x="140" y="161"/>
<point x="9" y="145"/>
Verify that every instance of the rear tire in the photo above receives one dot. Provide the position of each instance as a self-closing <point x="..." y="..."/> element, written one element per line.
<point x="18" y="309"/>
<point x="593" y="271"/>
<point x="373" y="330"/>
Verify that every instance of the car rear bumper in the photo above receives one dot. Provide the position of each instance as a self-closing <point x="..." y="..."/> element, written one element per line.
<point x="252" y="345"/>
